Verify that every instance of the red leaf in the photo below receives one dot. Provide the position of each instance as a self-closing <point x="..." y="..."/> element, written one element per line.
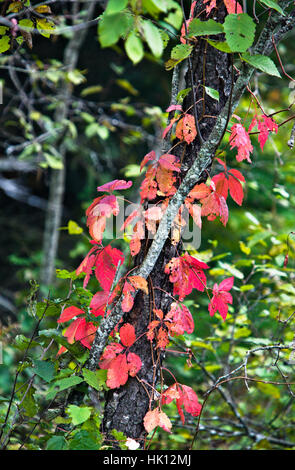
<point x="156" y="418"/>
<point x="211" y="5"/>
<point x="240" y="139"/>
<point x="186" y="129"/>
<point x="127" y="334"/>
<point x="98" y="303"/>
<point x="106" y="265"/>
<point x="169" y="162"/>
<point x="181" y="319"/>
<point x="190" y="401"/>
<point x="109" y="354"/>
<point x="148" y="188"/>
<point x="174" y="107"/>
<point x="265" y="125"/>
<point x="147" y="158"/>
<point x="134" y="364"/>
<point x="138" y="235"/>
<point x="87" y="265"/>
<point x="235" y="189"/>
<point x="101" y="208"/>
<point x="221" y="298"/>
<point x="139" y="283"/>
<point x="115" y="185"/>
<point x="117" y="372"/>
<point x="127" y="302"/>
<point x="86" y="333"/>
<point x="186" y="273"/>
<point x="233" y="6"/>
<point x="185" y="397"/>
<point x="69" y="313"/>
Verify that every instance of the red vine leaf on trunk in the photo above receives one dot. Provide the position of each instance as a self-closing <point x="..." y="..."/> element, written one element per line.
<point x="186" y="129"/>
<point x="132" y="283"/>
<point x="114" y="358"/>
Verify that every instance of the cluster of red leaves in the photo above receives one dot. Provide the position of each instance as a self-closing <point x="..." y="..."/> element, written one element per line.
<point x="104" y="261"/>
<point x="159" y="179"/>
<point x="221" y="297"/>
<point x="230" y="181"/>
<point x="185" y="397"/>
<point x="212" y="200"/>
<point x="119" y="362"/>
<point x="177" y="321"/>
<point x="79" y="329"/>
<point x="265" y="125"/>
<point x="186" y="273"/>
<point x="104" y="207"/>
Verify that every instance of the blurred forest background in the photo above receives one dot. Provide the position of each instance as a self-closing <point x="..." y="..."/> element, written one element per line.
<point x="76" y="115"/>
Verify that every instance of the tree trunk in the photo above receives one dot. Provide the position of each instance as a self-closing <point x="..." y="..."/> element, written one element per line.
<point x="126" y="407"/>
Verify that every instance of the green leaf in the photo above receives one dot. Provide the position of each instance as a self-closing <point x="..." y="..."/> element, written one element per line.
<point x="204" y="28"/>
<point x="273" y="5"/>
<point x="3" y="30"/>
<point x="21" y="342"/>
<point x="74" y="228"/>
<point x="27" y="25"/>
<point x="247" y="287"/>
<point x="45" y="27"/>
<point x="65" y="274"/>
<point x="62" y="384"/>
<point x="95" y="379"/>
<point x="4" y="44"/>
<point x="269" y="389"/>
<point x="263" y="63"/>
<point x="232" y="270"/>
<point x="239" y="31"/>
<point x="212" y="93"/>
<point x="112" y="27"/>
<point x="116" y="5"/>
<point x="79" y="414"/>
<point x="182" y="94"/>
<point x="53" y="161"/>
<point x="83" y="440"/>
<point x="44" y="369"/>
<point x="153" y="37"/>
<point x="181" y="51"/>
<point x="56" y="443"/>
<point x="174" y="18"/>
<point x="28" y="401"/>
<point x="220" y="45"/>
<point x="134" y="48"/>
